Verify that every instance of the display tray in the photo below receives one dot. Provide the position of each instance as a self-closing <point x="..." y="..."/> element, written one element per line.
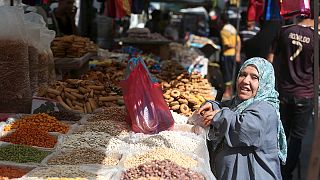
<point x="141" y="41"/>
<point x="72" y="63"/>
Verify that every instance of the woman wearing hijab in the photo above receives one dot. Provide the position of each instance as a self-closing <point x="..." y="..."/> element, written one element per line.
<point x="246" y="133"/>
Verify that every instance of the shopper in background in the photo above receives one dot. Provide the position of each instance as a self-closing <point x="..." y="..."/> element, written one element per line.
<point x="154" y="23"/>
<point x="231" y="46"/>
<point x="294" y="56"/>
<point x="63" y="18"/>
<point x="247" y="132"/>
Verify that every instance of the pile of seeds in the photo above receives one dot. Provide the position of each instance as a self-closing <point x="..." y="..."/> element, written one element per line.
<point x="160" y="154"/>
<point x="84" y="156"/>
<point x="110" y="114"/>
<point x="164" y="169"/>
<point x="86" y="140"/>
<point x="112" y="128"/>
<point x="22" y="154"/>
<point x="62" y="171"/>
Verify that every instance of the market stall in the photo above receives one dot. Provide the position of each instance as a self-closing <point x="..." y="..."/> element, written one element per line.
<point x="78" y="127"/>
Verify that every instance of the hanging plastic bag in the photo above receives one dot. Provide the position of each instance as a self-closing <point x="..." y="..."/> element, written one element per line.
<point x="290" y="8"/>
<point x="15" y="91"/>
<point x="147" y="110"/>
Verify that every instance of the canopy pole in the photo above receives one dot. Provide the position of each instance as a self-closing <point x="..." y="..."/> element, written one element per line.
<point x="314" y="163"/>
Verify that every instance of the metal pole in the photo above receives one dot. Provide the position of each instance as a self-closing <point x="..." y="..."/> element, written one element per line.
<point x="11" y="3"/>
<point x="314" y="164"/>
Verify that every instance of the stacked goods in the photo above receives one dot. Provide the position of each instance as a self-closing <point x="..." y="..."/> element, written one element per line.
<point x="31" y="136"/>
<point x="143" y="33"/>
<point x="164" y="169"/>
<point x="22" y="154"/>
<point x="42" y="121"/>
<point x="112" y="74"/>
<point x="10" y="172"/>
<point x="83" y="96"/>
<point x="72" y="46"/>
<point x="84" y="156"/>
<point x="182" y="54"/>
<point x="170" y="70"/>
<point x="186" y="93"/>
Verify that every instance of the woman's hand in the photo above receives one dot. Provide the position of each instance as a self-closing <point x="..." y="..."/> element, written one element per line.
<point x="208" y="117"/>
<point x="208" y="113"/>
<point x="206" y="107"/>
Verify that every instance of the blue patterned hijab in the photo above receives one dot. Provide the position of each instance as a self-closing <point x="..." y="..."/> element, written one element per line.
<point x="266" y="92"/>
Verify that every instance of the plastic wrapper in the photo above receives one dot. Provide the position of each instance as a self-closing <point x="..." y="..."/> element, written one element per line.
<point x="43" y="78"/>
<point x="15" y="91"/>
<point x="33" y="66"/>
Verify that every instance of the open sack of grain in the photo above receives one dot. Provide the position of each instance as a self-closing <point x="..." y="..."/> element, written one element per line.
<point x="15" y="91"/>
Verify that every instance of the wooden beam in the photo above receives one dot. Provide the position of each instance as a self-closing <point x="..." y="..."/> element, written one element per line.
<point x="314" y="163"/>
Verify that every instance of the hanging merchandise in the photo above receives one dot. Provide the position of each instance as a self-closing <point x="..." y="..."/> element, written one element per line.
<point x="255" y="10"/>
<point x="271" y="10"/>
<point x="148" y="112"/>
<point x="291" y="8"/>
<point x="123" y="8"/>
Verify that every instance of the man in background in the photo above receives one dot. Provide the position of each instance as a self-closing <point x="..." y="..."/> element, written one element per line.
<point x="294" y="56"/>
<point x="63" y="18"/>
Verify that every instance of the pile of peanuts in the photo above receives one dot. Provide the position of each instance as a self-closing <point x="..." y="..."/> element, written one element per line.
<point x="42" y="121"/>
<point x="160" y="153"/>
<point x="84" y="156"/>
<point x="164" y="169"/>
<point x="61" y="171"/>
<point x="31" y="136"/>
<point x="186" y="93"/>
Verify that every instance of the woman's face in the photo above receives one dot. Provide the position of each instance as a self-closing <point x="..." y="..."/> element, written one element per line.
<point x="247" y="83"/>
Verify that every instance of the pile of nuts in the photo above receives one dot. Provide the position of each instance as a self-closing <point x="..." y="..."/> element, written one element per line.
<point x="10" y="172"/>
<point x="111" y="127"/>
<point x="31" y="136"/>
<point x="84" y="156"/>
<point x="86" y="140"/>
<point x="160" y="154"/>
<point x="164" y="169"/>
<point x="61" y="171"/>
<point x="186" y="93"/>
<point x="110" y="114"/>
<point x="42" y="121"/>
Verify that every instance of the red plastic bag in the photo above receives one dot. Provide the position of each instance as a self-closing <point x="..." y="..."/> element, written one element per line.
<point x="147" y="109"/>
<point x="290" y="8"/>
